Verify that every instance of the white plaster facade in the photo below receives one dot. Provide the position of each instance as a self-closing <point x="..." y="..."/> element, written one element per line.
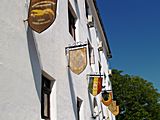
<point x="25" y="55"/>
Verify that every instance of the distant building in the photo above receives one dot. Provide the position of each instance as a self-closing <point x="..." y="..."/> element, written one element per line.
<point x="40" y="77"/>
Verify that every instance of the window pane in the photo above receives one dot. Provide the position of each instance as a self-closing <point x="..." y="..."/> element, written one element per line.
<point x="46" y="105"/>
<point x="45" y="98"/>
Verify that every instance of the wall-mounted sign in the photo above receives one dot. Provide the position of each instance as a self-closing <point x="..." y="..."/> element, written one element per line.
<point x="116" y="112"/>
<point x="42" y="14"/>
<point x="78" y="59"/>
<point x="95" y="85"/>
<point x="107" y="98"/>
<point x="114" y="108"/>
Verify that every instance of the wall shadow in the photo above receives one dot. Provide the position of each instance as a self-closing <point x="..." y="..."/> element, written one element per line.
<point x="77" y="8"/>
<point x="73" y="96"/>
<point x="90" y="103"/>
<point x="35" y="63"/>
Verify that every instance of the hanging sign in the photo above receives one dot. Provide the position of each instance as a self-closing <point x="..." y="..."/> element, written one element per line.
<point x="95" y="85"/>
<point x="116" y="112"/>
<point x="114" y="108"/>
<point x="78" y="60"/>
<point x="107" y="98"/>
<point x="42" y="14"/>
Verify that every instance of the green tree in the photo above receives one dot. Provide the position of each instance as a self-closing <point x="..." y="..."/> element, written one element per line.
<point x="137" y="98"/>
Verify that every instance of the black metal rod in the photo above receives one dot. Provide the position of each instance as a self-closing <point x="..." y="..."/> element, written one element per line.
<point x="94" y="75"/>
<point x="80" y="45"/>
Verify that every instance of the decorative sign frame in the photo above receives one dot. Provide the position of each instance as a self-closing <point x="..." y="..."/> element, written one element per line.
<point x="77" y="57"/>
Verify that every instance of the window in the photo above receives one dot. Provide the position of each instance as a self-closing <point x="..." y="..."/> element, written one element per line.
<point x="95" y="108"/>
<point x="72" y="22"/>
<point x="104" y="76"/>
<point x="91" y="54"/>
<point x="104" y="82"/>
<point x="76" y="1"/>
<point x="79" y="103"/>
<point x="45" y="98"/>
<point x="99" y="67"/>
<point x="87" y="9"/>
<point x="99" y="54"/>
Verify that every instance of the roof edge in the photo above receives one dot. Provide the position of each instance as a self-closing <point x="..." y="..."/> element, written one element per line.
<point x="100" y="19"/>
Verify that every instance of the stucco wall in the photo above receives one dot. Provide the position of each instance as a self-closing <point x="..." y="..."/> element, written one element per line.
<point x="19" y="63"/>
<point x="25" y="54"/>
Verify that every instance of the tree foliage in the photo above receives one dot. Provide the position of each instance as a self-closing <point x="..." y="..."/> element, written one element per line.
<point x="137" y="98"/>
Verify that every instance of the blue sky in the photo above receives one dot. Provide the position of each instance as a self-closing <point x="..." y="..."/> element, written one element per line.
<point x="133" y="31"/>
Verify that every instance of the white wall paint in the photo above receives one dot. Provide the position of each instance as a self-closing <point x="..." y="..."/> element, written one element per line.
<point x="25" y="53"/>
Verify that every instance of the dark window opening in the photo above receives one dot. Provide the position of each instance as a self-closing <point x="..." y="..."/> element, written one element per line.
<point x="76" y="1"/>
<point x="45" y="98"/>
<point x="87" y="9"/>
<point x="95" y="108"/>
<point x="100" y="67"/>
<point x="91" y="54"/>
<point x="71" y="24"/>
<point x="79" y="103"/>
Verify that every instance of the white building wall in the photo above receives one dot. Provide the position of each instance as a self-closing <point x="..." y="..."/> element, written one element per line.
<point x="19" y="66"/>
<point x="25" y="55"/>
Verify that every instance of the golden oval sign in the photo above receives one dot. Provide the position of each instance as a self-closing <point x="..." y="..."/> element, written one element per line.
<point x="42" y="14"/>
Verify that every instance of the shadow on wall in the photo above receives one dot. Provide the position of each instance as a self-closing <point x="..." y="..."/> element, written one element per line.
<point x="73" y="96"/>
<point x="34" y="59"/>
<point x="77" y="8"/>
<point x="90" y="103"/>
